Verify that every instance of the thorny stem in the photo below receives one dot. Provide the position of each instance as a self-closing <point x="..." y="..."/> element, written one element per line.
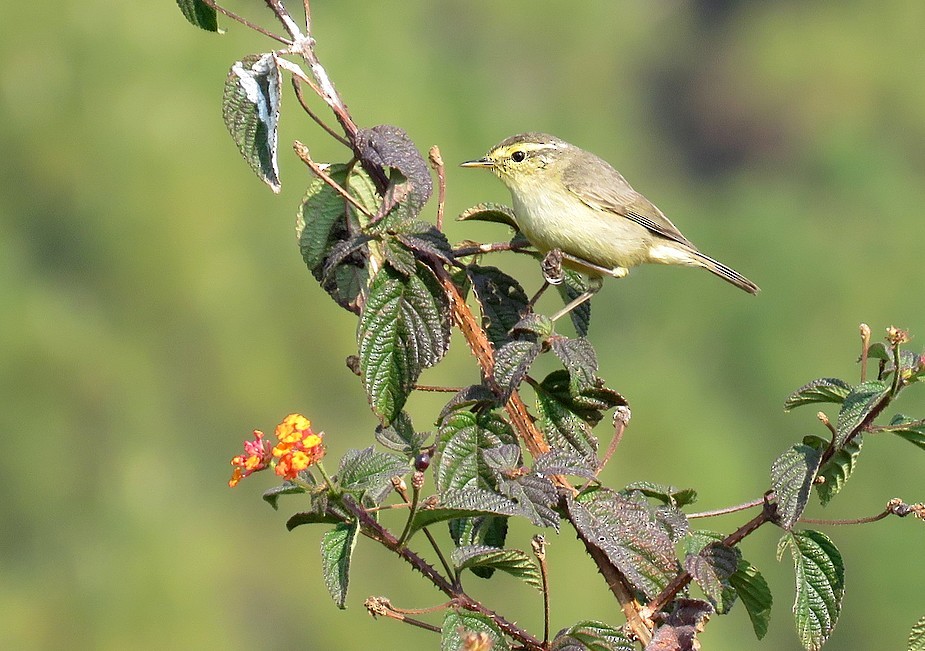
<point x="429" y="387"/>
<point x="436" y="160"/>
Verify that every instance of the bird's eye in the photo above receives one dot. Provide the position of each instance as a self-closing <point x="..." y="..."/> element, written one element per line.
<point x="518" y="156"/>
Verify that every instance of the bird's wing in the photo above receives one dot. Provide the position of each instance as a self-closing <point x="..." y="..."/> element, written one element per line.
<point x="620" y="199"/>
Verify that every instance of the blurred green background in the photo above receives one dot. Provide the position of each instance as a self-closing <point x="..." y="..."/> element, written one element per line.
<point x="155" y="308"/>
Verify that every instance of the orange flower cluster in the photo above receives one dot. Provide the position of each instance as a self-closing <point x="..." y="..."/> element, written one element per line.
<point x="298" y="448"/>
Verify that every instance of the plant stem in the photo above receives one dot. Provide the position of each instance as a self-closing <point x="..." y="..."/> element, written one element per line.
<point x="539" y="550"/>
<point x="865" y="347"/>
<point x="298" y="93"/>
<point x="246" y="23"/>
<point x="436" y="160"/>
<point x="727" y="510"/>
<point x="302" y="152"/>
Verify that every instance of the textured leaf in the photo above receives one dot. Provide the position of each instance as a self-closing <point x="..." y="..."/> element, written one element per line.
<point x="909" y="429"/>
<point x="474" y="395"/>
<point x="627" y="530"/>
<point x="251" y="110"/>
<point x="370" y="472"/>
<point x="838" y="468"/>
<point x="562" y="421"/>
<point x="458" y="623"/>
<point x="534" y="325"/>
<point x="792" y="477"/>
<point x="501" y="298"/>
<point x="400" y="436"/>
<point x="386" y="145"/>
<point x="424" y="238"/>
<point x="826" y="389"/>
<point x="404" y="327"/>
<point x="483" y="530"/>
<point x="863" y="400"/>
<point x="460" y="441"/>
<point x="535" y="495"/>
<point x="589" y="403"/>
<point x="399" y="256"/>
<point x="917" y="636"/>
<point x="562" y="461"/>
<point x="272" y="495"/>
<point x="670" y="495"/>
<point x="322" y="208"/>
<point x="512" y="561"/>
<point x="490" y="212"/>
<point x="679" y="632"/>
<point x="579" y="359"/>
<point x="755" y="594"/>
<point x="466" y="503"/>
<point x="512" y="361"/>
<point x="591" y="636"/>
<point x="820" y="581"/>
<point x="711" y="568"/>
<point x="199" y="14"/>
<point x="573" y="286"/>
<point x="337" y="548"/>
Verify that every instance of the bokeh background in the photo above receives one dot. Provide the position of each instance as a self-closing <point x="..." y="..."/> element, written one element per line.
<point x="155" y="308"/>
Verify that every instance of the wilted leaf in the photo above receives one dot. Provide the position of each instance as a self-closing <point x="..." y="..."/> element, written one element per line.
<point x="501" y="298"/>
<point x="711" y="567"/>
<point x="199" y="14"/>
<point x="826" y="389"/>
<point x="820" y="581"/>
<point x="792" y="477"/>
<point x="337" y="548"/>
<point x="457" y="624"/>
<point x="251" y="110"/>
<point x="627" y="530"/>
<point x="863" y="400"/>
<point x="838" y="468"/>
<point x="512" y="561"/>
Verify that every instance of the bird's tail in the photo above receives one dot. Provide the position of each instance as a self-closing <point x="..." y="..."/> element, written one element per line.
<point x="726" y="273"/>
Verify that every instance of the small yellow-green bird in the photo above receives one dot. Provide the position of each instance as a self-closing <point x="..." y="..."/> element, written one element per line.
<point x="569" y="199"/>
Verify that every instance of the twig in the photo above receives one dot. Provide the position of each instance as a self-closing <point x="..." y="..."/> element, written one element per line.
<point x="286" y="19"/>
<point x="429" y="387"/>
<point x="437" y="161"/>
<point x="399" y="485"/>
<point x="308" y="16"/>
<point x="539" y="549"/>
<point x="298" y="93"/>
<point x="246" y="22"/>
<point x="382" y="607"/>
<point x="477" y="249"/>
<point x="621" y="419"/>
<point x="416" y="483"/>
<point x="865" y="347"/>
<point x="727" y="510"/>
<point x="824" y="419"/>
<point x="872" y="518"/>
<point x="302" y="152"/>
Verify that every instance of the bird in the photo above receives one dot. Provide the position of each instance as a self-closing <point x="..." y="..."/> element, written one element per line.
<point x="568" y="199"/>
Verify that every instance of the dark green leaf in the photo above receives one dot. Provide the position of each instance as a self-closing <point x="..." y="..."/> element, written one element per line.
<point x="474" y="395"/>
<point x="460" y="463"/>
<point x="251" y="110"/>
<point x="484" y="530"/>
<point x="458" y="623"/>
<point x="535" y="495"/>
<point x="337" y="548"/>
<point x="908" y="428"/>
<point x="878" y="350"/>
<point x="501" y="298"/>
<point x="792" y="477"/>
<point x="589" y="403"/>
<point x="400" y="436"/>
<point x="562" y="461"/>
<point x="512" y="561"/>
<point x="399" y="256"/>
<point x="423" y="238"/>
<point x="465" y="503"/>
<point x="199" y="14"/>
<point x="755" y="594"/>
<point x="564" y="423"/>
<point x="838" y="468"/>
<point x="490" y="212"/>
<point x="628" y="531"/>
<point x="404" y="327"/>
<point x="579" y="359"/>
<point x="864" y="399"/>
<point x="534" y="325"/>
<point x="574" y="285"/>
<point x="820" y="581"/>
<point x="917" y="636"/>
<point x="591" y="636"/>
<point x="386" y="145"/>
<point x="272" y="495"/>
<point x="370" y="472"/>
<point x="711" y="568"/>
<point x="312" y="517"/>
<point x="512" y="361"/>
<point x="670" y="495"/>
<point x="694" y="543"/>
<point x="826" y="389"/>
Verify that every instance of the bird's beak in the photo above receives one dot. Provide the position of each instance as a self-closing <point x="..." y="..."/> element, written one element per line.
<point x="479" y="162"/>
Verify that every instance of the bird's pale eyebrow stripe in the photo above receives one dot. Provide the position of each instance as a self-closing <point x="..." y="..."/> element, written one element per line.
<point x="533" y="147"/>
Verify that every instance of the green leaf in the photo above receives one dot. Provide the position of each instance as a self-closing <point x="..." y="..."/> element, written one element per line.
<point x="272" y="495"/>
<point x="792" y="477"/>
<point x="838" y="468"/>
<point x="251" y="110"/>
<point x="536" y="495"/>
<point x="311" y="517"/>
<point x="564" y="423"/>
<point x="460" y="463"/>
<point x="591" y="636"/>
<point x="628" y="531"/>
<point x="826" y="389"/>
<point x="399" y="256"/>
<point x="711" y="568"/>
<point x="501" y="299"/>
<point x="820" y="582"/>
<point x="370" y="472"/>
<point x="475" y="396"/>
<point x="755" y="594"/>
<point x="404" y="327"/>
<point x="574" y="285"/>
<point x="917" y="636"/>
<point x="910" y="429"/>
<point x="466" y="503"/>
<point x="864" y="399"/>
<point x="483" y="530"/>
<point x="512" y="561"/>
<point x="337" y="548"/>
<point x="512" y="361"/>
<point x="400" y="436"/>
<point x="579" y="359"/>
<point x="490" y="212"/>
<point x="321" y="209"/>
<point x="458" y="623"/>
<point x="199" y="14"/>
<point x="588" y="403"/>
<point x="670" y="495"/>
<point x="562" y="461"/>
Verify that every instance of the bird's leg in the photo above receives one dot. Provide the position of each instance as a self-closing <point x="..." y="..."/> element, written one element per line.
<point x="595" y="283"/>
<point x="552" y="274"/>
